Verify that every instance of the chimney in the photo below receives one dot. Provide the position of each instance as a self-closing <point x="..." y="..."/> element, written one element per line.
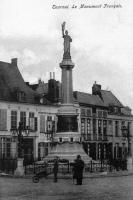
<point x="14" y="61"/>
<point x="54" y="75"/>
<point x="50" y="75"/>
<point x="96" y="89"/>
<point x="39" y="81"/>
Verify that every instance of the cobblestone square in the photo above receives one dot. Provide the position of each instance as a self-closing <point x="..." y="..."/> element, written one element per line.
<point x="106" y="188"/>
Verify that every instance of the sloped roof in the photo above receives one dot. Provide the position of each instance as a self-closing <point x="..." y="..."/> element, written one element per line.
<point x="110" y="99"/>
<point x="106" y="99"/>
<point x="11" y="79"/>
<point x="86" y="98"/>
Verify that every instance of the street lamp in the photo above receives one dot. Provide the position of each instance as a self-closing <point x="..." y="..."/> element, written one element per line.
<point x="18" y="133"/>
<point x="126" y="134"/>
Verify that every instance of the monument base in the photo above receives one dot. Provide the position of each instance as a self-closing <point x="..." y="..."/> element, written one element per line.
<point x="20" y="168"/>
<point x="129" y="164"/>
<point x="68" y="151"/>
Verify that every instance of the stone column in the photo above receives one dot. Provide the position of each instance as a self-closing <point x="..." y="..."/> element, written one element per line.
<point x="67" y="86"/>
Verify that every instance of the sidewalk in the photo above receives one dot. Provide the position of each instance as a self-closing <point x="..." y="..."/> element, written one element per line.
<point x="85" y="175"/>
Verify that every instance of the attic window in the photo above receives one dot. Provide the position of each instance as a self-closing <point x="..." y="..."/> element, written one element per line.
<point x="83" y="112"/>
<point x="21" y="96"/>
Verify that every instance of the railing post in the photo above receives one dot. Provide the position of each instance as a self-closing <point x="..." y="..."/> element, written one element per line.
<point x="91" y="167"/>
<point x="101" y="166"/>
<point x="68" y="167"/>
<point x="34" y="171"/>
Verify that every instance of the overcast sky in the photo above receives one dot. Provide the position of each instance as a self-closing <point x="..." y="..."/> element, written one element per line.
<point x="102" y="47"/>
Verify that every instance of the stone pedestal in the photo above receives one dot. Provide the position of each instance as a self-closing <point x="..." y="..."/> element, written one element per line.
<point x="20" y="168"/>
<point x="129" y="164"/>
<point x="13" y="149"/>
<point x="68" y="151"/>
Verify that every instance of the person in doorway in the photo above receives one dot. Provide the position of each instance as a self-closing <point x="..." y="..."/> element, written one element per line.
<point x="78" y="169"/>
<point x="55" y="168"/>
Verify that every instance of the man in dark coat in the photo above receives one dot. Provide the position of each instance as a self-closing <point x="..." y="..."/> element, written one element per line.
<point x="78" y="170"/>
<point x="55" y="169"/>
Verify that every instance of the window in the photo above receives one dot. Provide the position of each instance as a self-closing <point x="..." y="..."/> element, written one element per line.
<point x="88" y="112"/>
<point x="42" y="123"/>
<point x="83" y="112"/>
<point x="94" y="130"/>
<point x="88" y="126"/>
<point x="104" y="127"/>
<point x="36" y="124"/>
<point x="104" y="114"/>
<point x="3" y="119"/>
<point x="116" y="150"/>
<point x="99" y="113"/>
<point x="100" y="129"/>
<point x="31" y="114"/>
<point x="110" y="127"/>
<point x="21" y="96"/>
<point x="82" y="126"/>
<point x="116" y="128"/>
<point x="94" y="126"/>
<point x="88" y="129"/>
<point x="32" y="122"/>
<point x="13" y="119"/>
<point x="23" y="119"/>
<point x="49" y="123"/>
<point x="5" y="147"/>
<point x="94" y="110"/>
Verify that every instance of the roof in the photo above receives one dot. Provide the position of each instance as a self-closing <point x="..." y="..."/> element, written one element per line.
<point x="86" y="98"/>
<point x="12" y="80"/>
<point x="110" y="99"/>
<point x="106" y="99"/>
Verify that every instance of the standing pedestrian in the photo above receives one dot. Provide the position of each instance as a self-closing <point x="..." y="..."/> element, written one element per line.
<point x="55" y="169"/>
<point x="78" y="170"/>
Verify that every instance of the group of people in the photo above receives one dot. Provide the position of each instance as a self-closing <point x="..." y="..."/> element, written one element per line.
<point x="78" y="167"/>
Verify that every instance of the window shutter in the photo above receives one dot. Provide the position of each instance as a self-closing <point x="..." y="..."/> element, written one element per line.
<point x="31" y="123"/>
<point x="35" y="124"/>
<point x="3" y="119"/>
<point x="42" y="124"/>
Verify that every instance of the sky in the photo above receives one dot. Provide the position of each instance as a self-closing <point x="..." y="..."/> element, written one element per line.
<point x="101" y="48"/>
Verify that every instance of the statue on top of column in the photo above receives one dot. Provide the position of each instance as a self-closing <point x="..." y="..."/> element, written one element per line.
<point x="67" y="40"/>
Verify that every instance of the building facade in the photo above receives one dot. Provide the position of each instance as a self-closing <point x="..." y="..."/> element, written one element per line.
<point x="106" y="125"/>
<point x="104" y="122"/>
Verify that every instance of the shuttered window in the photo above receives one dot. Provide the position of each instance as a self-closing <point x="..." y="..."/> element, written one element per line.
<point x="3" y="119"/>
<point x="23" y="119"/>
<point x="42" y="124"/>
<point x="13" y="119"/>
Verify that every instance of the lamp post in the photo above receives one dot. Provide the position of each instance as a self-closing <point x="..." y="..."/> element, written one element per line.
<point x="19" y="133"/>
<point x="126" y="134"/>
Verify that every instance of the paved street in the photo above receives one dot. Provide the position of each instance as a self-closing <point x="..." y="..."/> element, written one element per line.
<point x="107" y="188"/>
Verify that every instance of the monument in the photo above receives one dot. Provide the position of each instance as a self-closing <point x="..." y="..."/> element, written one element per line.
<point x="67" y="142"/>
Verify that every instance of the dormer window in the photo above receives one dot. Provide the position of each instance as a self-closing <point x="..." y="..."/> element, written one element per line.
<point x="20" y="95"/>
